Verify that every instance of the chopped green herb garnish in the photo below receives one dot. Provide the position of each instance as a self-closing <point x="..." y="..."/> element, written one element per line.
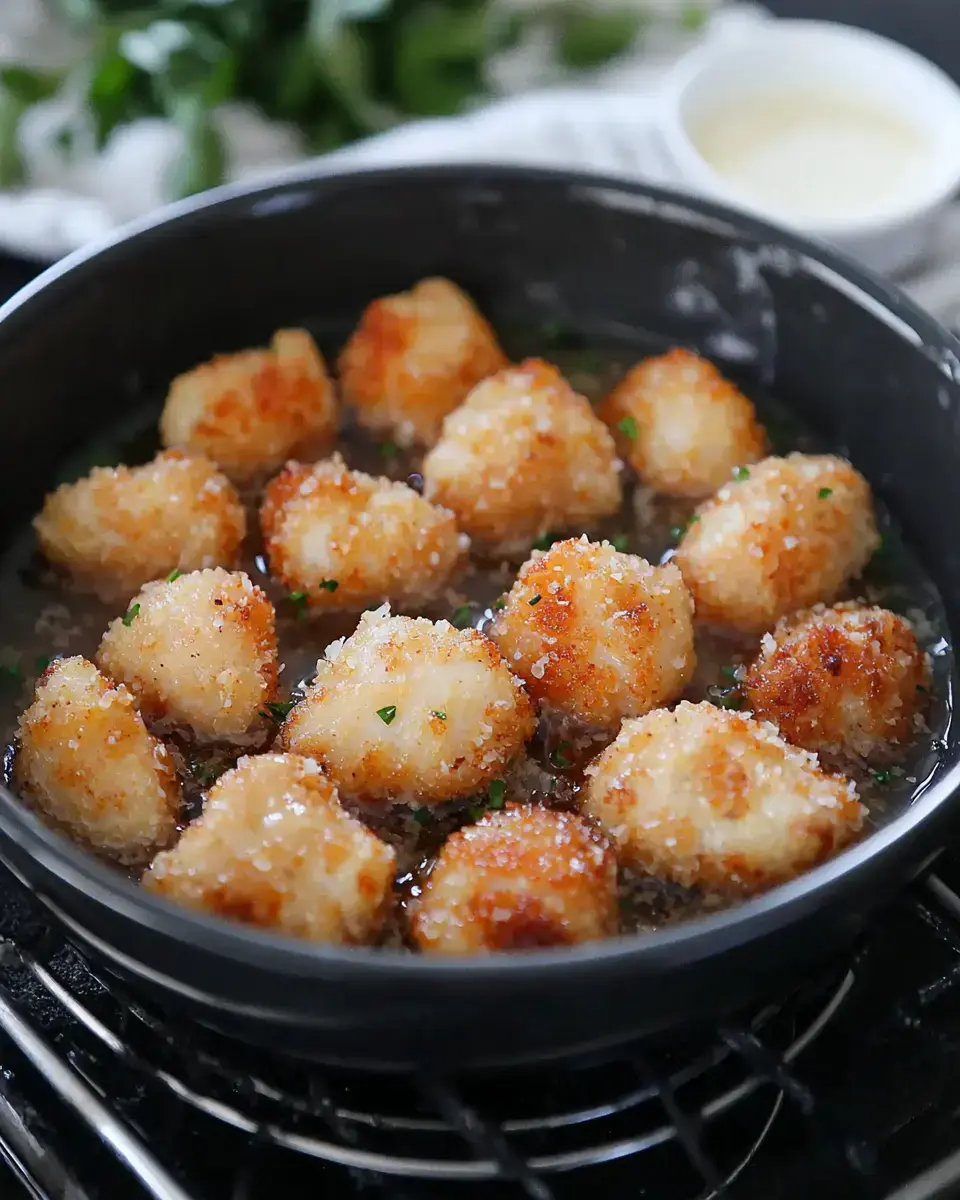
<point x="496" y="793"/>
<point x="329" y="585"/>
<point x="476" y="811"/>
<point x="619" y="542"/>
<point x="545" y="541"/>
<point x="500" y="604"/>
<point x="921" y="688"/>
<point x="461" y="617"/>
<point x="628" y="427"/>
<point x="435" y="712"/>
<point x="729" y="671"/>
<point x="741" y="473"/>
<point x="299" y="602"/>
<point x="131" y="615"/>
<point x="389" y="450"/>
<point x="11" y="673"/>
<point x="824" y="493"/>
<point x="174" y="575"/>
<point x="387" y="713"/>
<point x="421" y="816"/>
<point x="725" y="697"/>
<point x="678" y="531"/>
<point x="882" y="775"/>
<point x="558" y="756"/>
<point x="535" y="600"/>
<point x="587" y="361"/>
<point x="279" y="710"/>
<point x="40" y="663"/>
<point x="204" y="773"/>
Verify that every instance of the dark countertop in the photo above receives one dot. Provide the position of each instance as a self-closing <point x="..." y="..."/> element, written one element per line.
<point x="931" y="27"/>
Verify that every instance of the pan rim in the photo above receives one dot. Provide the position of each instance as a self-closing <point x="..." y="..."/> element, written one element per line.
<point x="82" y="871"/>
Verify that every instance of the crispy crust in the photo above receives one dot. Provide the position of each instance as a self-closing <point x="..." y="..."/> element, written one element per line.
<point x="609" y="637"/>
<point x="714" y="799"/>
<point x="376" y="539"/>
<point x="274" y="848"/>
<point x="420" y="668"/>
<point x="250" y="411"/>
<point x="518" y="879"/>
<point x="848" y="680"/>
<point x="201" y="653"/>
<point x="693" y="426"/>
<point x="788" y="536"/>
<point x="413" y="359"/>
<point x="523" y="455"/>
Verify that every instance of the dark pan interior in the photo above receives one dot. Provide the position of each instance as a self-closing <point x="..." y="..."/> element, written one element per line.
<point x="850" y="355"/>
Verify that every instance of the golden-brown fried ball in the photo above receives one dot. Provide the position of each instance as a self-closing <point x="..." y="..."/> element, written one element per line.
<point x="414" y="358"/>
<point x="713" y="799"/>
<point x="347" y="540"/>
<point x="85" y="758"/>
<point x="597" y="634"/>
<point x="251" y="411"/>
<point x="786" y="535"/>
<point x="519" y="879"/>
<point x="122" y="526"/>
<point x="412" y="710"/>
<point x="274" y="848"/>
<point x="681" y="425"/>
<point x="199" y="652"/>
<point x="848" y="680"/>
<point x="525" y="454"/>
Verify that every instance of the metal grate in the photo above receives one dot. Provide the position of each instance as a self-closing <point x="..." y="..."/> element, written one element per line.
<point x="533" y="1132"/>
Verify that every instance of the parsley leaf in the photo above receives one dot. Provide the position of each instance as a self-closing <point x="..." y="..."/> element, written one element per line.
<point x="628" y="427"/>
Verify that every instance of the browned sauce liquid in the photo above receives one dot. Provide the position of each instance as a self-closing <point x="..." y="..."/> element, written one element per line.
<point x="42" y="617"/>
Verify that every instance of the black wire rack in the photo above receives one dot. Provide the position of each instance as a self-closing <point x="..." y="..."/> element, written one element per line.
<point x="170" y="1111"/>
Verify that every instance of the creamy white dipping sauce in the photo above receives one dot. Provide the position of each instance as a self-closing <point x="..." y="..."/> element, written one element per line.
<point x="815" y="155"/>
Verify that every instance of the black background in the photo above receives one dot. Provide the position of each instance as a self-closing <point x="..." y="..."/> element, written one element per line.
<point x="931" y="27"/>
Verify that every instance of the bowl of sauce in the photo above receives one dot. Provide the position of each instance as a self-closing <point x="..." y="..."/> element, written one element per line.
<point x="827" y="129"/>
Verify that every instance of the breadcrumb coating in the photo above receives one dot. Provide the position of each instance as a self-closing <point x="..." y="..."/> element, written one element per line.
<point x="713" y="799"/>
<point x="413" y="359"/>
<point x="275" y="848"/>
<point x="521" y="878"/>
<point x="87" y="761"/>
<point x="597" y="634"/>
<point x="412" y="710"/>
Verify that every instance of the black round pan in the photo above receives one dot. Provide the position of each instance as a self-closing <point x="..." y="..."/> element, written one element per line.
<point x="852" y="355"/>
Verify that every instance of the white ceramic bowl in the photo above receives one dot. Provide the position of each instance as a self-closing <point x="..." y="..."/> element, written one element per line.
<point x="823" y="56"/>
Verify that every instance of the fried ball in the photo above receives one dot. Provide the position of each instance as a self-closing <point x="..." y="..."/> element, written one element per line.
<point x="786" y="535"/>
<point x="519" y="879"/>
<point x="250" y="411"/>
<point x="412" y="710"/>
<point x="199" y="652"/>
<point x="682" y="426"/>
<point x="122" y="526"/>
<point x="414" y="358"/>
<point x="525" y="454"/>
<point x="347" y="540"/>
<point x="596" y="634"/>
<point x="848" y="680"/>
<point x="713" y="799"/>
<point x="85" y="758"/>
<point x="274" y="848"/>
